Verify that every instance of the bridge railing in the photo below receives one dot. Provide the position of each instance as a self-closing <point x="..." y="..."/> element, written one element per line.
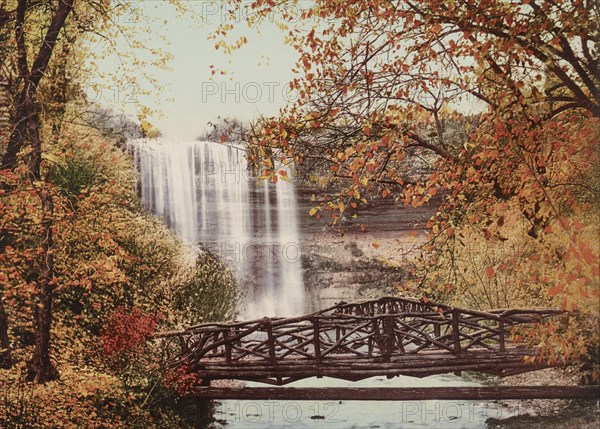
<point x="380" y="330"/>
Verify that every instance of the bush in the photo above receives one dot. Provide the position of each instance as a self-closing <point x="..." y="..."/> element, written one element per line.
<point x="73" y="176"/>
<point x="209" y="294"/>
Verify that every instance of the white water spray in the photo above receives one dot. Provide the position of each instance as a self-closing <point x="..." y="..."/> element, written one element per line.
<point x="206" y="194"/>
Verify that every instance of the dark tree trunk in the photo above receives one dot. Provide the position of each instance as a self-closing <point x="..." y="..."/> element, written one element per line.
<point x="40" y="368"/>
<point x="27" y="127"/>
<point x="5" y="351"/>
<point x="32" y="78"/>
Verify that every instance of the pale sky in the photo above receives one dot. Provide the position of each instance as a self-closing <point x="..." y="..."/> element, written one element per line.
<point x="255" y="82"/>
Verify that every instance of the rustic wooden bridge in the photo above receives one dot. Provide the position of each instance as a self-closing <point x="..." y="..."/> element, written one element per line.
<point x="352" y="341"/>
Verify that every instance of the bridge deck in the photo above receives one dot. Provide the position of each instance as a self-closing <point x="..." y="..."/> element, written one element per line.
<point x="389" y="336"/>
<point x="350" y="367"/>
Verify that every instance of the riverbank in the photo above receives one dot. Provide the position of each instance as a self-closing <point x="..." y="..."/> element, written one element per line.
<point x="547" y="413"/>
<point x="362" y="265"/>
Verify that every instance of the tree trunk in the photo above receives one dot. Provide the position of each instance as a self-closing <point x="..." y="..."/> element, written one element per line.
<point x="17" y="136"/>
<point x="40" y="368"/>
<point x="31" y="78"/>
<point x="5" y="351"/>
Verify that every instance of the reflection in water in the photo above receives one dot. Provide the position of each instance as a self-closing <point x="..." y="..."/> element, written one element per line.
<point x="206" y="193"/>
<point x="280" y="414"/>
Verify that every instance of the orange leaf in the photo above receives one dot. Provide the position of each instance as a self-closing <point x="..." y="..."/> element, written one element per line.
<point x="588" y="255"/>
<point x="553" y="291"/>
<point x="489" y="272"/>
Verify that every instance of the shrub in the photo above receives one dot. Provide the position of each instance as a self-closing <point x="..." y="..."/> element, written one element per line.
<point x="210" y="292"/>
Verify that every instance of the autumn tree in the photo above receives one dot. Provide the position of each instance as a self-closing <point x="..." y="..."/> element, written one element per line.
<point x="502" y="99"/>
<point x="47" y="76"/>
<point x="27" y="130"/>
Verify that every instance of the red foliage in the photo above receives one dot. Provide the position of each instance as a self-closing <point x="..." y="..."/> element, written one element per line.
<point x="182" y="379"/>
<point x="127" y="330"/>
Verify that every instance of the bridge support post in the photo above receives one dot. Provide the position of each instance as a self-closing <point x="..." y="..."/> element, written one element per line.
<point x="271" y="341"/>
<point x="501" y="338"/>
<point x="456" y="331"/>
<point x="317" y="340"/>
<point x="388" y="330"/>
<point x="184" y="344"/>
<point x="226" y="336"/>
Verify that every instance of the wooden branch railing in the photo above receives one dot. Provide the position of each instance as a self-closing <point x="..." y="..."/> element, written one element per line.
<point x="388" y="336"/>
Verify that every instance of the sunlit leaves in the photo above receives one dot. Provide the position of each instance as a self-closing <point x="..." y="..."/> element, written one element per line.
<point x="488" y="108"/>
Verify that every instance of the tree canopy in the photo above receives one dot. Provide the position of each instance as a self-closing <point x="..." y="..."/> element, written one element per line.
<point x="501" y="100"/>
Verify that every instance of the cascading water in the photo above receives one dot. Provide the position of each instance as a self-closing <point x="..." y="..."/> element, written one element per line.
<point x="205" y="192"/>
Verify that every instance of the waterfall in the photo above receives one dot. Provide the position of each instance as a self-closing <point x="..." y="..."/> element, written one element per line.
<point x="205" y="193"/>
